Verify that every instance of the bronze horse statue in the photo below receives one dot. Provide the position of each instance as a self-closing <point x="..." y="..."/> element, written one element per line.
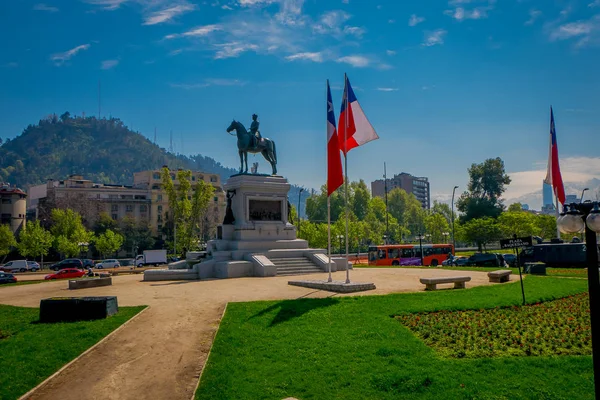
<point x="246" y="143"/>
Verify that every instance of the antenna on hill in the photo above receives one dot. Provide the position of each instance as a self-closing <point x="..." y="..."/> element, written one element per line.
<point x="181" y="136"/>
<point x="171" y="142"/>
<point x="154" y="135"/>
<point x="99" y="100"/>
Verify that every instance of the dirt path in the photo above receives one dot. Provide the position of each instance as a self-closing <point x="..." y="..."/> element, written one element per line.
<point x="161" y="353"/>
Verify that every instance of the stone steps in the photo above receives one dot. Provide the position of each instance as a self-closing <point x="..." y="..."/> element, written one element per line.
<point x="295" y="266"/>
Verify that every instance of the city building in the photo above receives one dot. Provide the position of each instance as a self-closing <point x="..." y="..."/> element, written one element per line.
<point x="549" y="209"/>
<point x="571" y="198"/>
<point x="419" y="186"/>
<point x="547" y="194"/>
<point x="13" y="207"/>
<point x="145" y="201"/>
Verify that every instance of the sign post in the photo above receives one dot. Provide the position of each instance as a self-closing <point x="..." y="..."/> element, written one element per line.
<point x="517" y="243"/>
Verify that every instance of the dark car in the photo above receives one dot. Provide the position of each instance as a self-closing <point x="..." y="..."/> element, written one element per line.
<point x="7" y="278"/>
<point x="486" y="259"/>
<point x="88" y="263"/>
<point x="67" y="263"/>
<point x="511" y="259"/>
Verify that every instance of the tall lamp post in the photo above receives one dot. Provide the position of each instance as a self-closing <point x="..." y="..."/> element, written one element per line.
<point x="575" y="218"/>
<point x="299" y="194"/>
<point x="582" y="192"/>
<point x="445" y="235"/>
<point x="453" y="237"/>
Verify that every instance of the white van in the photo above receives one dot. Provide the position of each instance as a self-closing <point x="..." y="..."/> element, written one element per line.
<point x="15" y="266"/>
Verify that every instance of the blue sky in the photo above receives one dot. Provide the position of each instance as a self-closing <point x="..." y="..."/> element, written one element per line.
<point x="445" y="83"/>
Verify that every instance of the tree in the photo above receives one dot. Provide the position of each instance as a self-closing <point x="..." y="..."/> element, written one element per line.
<point x="7" y="240"/>
<point x="407" y="210"/>
<point x="104" y="223"/>
<point x="480" y="231"/>
<point x="444" y="209"/>
<point x="487" y="182"/>
<point x="360" y="199"/>
<point x="515" y="207"/>
<point x="34" y="241"/>
<point x="518" y="223"/>
<point x="109" y="242"/>
<point x="316" y="205"/>
<point x="546" y="225"/>
<point x="70" y="236"/>
<point x="436" y="225"/>
<point x="187" y="206"/>
<point x="64" y="117"/>
<point x="136" y="234"/>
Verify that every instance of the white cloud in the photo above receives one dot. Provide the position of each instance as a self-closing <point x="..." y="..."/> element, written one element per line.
<point x="573" y="170"/>
<point x="233" y="49"/>
<point x="61" y="58"/>
<point x="355" y="60"/>
<point x="594" y="4"/>
<point x="198" y="31"/>
<point x="461" y="13"/>
<point x="433" y="38"/>
<point x="167" y="14"/>
<point x="414" y="20"/>
<point x="251" y="3"/>
<point x="391" y="21"/>
<point x="108" y="64"/>
<point x="387" y="89"/>
<point x="315" y="57"/>
<point x="384" y="66"/>
<point x="587" y="32"/>
<point x="533" y="16"/>
<point x="108" y="5"/>
<point x="390" y="52"/>
<point x="331" y="22"/>
<point x="207" y="83"/>
<point x="44" y="7"/>
<point x="354" y="30"/>
<point x="226" y="7"/>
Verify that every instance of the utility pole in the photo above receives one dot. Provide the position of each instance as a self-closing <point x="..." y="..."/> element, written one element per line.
<point x="387" y="232"/>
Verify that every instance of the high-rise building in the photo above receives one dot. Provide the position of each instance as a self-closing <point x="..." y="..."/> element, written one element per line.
<point x="419" y="186"/>
<point x="547" y="194"/>
<point x="571" y="198"/>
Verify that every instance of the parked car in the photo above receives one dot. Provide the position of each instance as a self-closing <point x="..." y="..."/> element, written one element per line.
<point x="456" y="261"/>
<point x="111" y="263"/>
<point x="67" y="273"/>
<point x="88" y="263"/>
<point x="511" y="259"/>
<point x="67" y="263"/>
<point x="486" y="259"/>
<point x="7" y="278"/>
<point x="15" y="266"/>
<point x="33" y="266"/>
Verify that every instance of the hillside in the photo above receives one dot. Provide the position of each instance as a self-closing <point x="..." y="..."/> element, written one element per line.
<point x="103" y="150"/>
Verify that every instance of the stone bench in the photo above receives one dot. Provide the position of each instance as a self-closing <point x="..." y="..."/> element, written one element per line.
<point x="459" y="281"/>
<point x="89" y="283"/>
<point x="502" y="275"/>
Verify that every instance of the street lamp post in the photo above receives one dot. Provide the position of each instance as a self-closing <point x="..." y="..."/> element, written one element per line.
<point x="575" y="218"/>
<point x="299" y="194"/>
<point x="445" y="235"/>
<point x="453" y="238"/>
<point x="340" y="238"/>
<point x="582" y="192"/>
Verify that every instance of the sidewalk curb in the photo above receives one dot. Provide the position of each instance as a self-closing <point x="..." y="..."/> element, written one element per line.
<point x="209" y="351"/>
<point x="67" y="365"/>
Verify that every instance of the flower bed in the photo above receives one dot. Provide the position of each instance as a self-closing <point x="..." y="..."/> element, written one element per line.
<point x="556" y="327"/>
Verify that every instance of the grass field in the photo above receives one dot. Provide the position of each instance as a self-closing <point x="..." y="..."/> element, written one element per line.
<point x="565" y="272"/>
<point x="30" y="352"/>
<point x="355" y="348"/>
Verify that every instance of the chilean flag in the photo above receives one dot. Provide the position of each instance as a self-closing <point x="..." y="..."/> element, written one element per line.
<point x="553" y="176"/>
<point x="335" y="177"/>
<point x="355" y="128"/>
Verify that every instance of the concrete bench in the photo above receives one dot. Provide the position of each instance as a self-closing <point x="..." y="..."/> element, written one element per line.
<point x="502" y="275"/>
<point x="459" y="281"/>
<point x="89" y="283"/>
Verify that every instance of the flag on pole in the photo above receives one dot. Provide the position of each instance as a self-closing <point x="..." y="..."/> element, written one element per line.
<point x="354" y="127"/>
<point x="335" y="176"/>
<point x="553" y="176"/>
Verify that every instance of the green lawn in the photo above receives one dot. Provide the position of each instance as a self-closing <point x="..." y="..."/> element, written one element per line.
<point x="30" y="352"/>
<point x="566" y="272"/>
<point x="354" y="348"/>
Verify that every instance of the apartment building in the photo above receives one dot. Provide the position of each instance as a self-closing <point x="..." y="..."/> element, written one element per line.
<point x="419" y="186"/>
<point x="13" y="207"/>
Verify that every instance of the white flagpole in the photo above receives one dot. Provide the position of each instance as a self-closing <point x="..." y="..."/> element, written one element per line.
<point x="346" y="171"/>
<point x="328" y="199"/>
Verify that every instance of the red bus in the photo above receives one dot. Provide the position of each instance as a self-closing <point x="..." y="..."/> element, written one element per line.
<point x="409" y="254"/>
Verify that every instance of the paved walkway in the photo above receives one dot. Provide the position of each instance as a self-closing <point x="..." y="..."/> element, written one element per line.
<point x="161" y="353"/>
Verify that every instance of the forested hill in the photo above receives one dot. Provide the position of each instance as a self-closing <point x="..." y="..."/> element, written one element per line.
<point x="102" y="150"/>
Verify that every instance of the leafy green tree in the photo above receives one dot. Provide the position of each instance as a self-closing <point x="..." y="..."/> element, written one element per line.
<point x="518" y="223"/>
<point x="187" y="205"/>
<point x="546" y="225"/>
<point x="316" y="206"/>
<point x="480" y="231"/>
<point x="7" y="240"/>
<point x="104" y="223"/>
<point x="407" y="210"/>
<point x="136" y="234"/>
<point x="444" y="209"/>
<point x="70" y="236"/>
<point x="487" y="182"/>
<point x="360" y="199"/>
<point x="34" y="241"/>
<point x="436" y="225"/>
<point x="108" y="242"/>
<point x="515" y="207"/>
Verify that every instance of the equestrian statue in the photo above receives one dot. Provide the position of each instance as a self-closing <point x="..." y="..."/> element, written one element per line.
<point x="252" y="142"/>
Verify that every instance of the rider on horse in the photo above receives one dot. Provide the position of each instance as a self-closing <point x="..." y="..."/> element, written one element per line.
<point x="254" y="130"/>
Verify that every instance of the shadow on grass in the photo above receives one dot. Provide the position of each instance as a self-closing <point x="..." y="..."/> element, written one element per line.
<point x="289" y="309"/>
<point x="170" y="283"/>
